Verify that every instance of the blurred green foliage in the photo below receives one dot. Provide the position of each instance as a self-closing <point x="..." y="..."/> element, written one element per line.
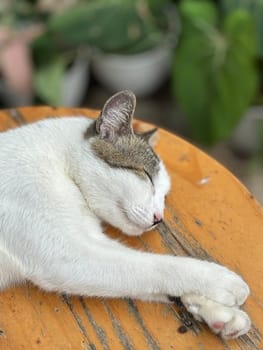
<point x="216" y="64"/>
<point x="255" y="9"/>
<point x="48" y="81"/>
<point x="214" y="74"/>
<point x="113" y="26"/>
<point x="18" y="14"/>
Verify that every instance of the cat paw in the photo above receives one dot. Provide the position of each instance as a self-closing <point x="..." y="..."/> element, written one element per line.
<point x="223" y="286"/>
<point x="228" y="322"/>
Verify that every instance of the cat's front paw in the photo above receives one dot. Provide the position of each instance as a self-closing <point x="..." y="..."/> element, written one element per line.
<point x="229" y="322"/>
<point x="223" y="286"/>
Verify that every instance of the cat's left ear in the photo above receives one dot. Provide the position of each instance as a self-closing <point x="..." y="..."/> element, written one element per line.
<point x="116" y="116"/>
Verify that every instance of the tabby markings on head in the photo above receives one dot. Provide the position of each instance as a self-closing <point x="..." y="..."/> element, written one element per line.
<point x="114" y="141"/>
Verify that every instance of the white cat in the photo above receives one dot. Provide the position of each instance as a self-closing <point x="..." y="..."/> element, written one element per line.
<point x="61" y="178"/>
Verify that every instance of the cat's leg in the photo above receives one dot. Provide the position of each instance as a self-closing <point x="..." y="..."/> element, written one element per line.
<point x="212" y="293"/>
<point x="229" y="322"/>
<point x="65" y="258"/>
<point x="65" y="250"/>
<point x="10" y="273"/>
<point x="99" y="266"/>
<point x="101" y="270"/>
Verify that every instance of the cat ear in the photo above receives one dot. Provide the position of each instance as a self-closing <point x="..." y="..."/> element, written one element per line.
<point x="150" y="136"/>
<point x="116" y="116"/>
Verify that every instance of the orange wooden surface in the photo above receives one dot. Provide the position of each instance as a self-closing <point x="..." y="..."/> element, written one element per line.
<point x="209" y="215"/>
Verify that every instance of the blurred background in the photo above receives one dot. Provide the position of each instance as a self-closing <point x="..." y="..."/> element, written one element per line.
<point x="196" y="66"/>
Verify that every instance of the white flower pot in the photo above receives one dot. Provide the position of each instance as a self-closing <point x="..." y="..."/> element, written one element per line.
<point x="246" y="137"/>
<point x="142" y="73"/>
<point x="75" y="82"/>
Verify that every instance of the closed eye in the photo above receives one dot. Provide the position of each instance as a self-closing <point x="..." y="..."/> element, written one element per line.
<point x="149" y="176"/>
<point x="141" y="171"/>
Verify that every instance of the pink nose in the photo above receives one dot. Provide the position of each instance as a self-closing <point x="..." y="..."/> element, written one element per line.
<point x="157" y="218"/>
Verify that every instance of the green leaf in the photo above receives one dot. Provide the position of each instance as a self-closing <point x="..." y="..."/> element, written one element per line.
<point x="202" y="10"/>
<point x="255" y="9"/>
<point x="214" y="77"/>
<point x="236" y="81"/>
<point x="111" y="26"/>
<point x="48" y="81"/>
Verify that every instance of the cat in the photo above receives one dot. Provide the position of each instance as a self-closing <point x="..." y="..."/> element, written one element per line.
<point x="61" y="178"/>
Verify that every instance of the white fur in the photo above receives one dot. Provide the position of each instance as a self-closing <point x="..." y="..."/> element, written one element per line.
<point x="54" y="194"/>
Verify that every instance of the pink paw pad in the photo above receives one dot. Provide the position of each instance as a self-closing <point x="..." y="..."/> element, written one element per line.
<point x="232" y="334"/>
<point x="218" y="325"/>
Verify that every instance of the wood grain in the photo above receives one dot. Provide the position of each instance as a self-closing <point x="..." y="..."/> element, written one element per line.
<point x="209" y="215"/>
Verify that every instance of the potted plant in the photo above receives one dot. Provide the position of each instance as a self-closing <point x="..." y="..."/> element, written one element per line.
<point x="140" y="55"/>
<point x="131" y="41"/>
<point x="214" y="71"/>
<point x="62" y="70"/>
<point x="25" y="77"/>
<point x="19" y="25"/>
<point x="247" y="137"/>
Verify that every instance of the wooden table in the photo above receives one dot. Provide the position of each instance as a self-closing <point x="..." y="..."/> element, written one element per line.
<point x="209" y="215"/>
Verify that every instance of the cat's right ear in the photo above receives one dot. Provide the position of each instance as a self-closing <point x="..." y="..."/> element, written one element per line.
<point x="150" y="136"/>
<point x="116" y="116"/>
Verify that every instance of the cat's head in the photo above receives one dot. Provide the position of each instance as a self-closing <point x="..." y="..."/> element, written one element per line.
<point x="131" y="180"/>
